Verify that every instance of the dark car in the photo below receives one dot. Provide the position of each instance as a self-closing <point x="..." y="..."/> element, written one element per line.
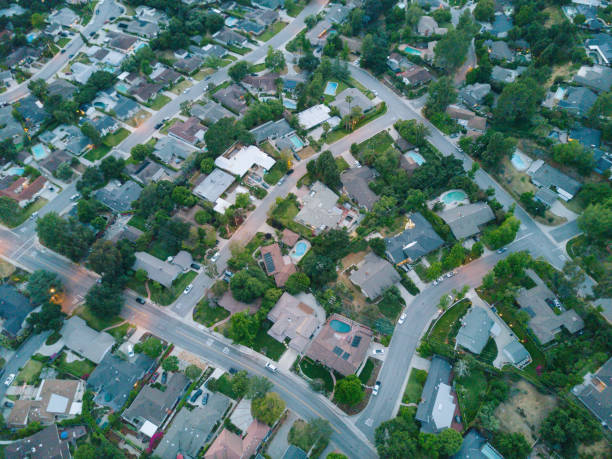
<point x="164" y="377"/>
<point x="205" y="398"/>
<point x="140" y="300"/>
<point x="158" y="125"/>
<point x="91" y="34"/>
<point x="290" y="171"/>
<point x="233" y="371"/>
<point x="195" y="395"/>
<point x="63" y="51"/>
<point x="195" y="266"/>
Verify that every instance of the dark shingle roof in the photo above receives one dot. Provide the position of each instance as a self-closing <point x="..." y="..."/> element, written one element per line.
<point x="418" y="239"/>
<point x="14" y="307"/>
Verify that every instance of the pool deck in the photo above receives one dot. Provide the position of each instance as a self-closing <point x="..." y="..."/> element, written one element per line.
<point x="526" y="160"/>
<point x="452" y="205"/>
<point x="296" y="258"/>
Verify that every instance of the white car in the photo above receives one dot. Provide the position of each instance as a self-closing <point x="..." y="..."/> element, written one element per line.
<point x="435" y="283"/>
<point x="215" y="257"/>
<point x="402" y="318"/>
<point x="376" y="388"/>
<point x="188" y="289"/>
<point x="9" y="379"/>
<point x="271" y="368"/>
<point x="378" y="351"/>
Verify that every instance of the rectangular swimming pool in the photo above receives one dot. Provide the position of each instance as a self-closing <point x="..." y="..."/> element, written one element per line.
<point x="330" y="88"/>
<point x="296" y="142"/>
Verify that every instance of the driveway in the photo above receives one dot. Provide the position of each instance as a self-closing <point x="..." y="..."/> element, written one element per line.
<point x="21" y="356"/>
<point x="565" y="232"/>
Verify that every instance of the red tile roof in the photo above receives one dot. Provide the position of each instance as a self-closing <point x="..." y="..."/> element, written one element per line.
<point x="20" y="190"/>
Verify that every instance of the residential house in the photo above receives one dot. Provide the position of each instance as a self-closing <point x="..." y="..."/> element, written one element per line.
<point x="603" y="161"/>
<point x="169" y="150"/>
<point x="12" y="10"/>
<point x="418" y="239"/>
<point x="165" y="76"/>
<point x="51" y="163"/>
<point x="587" y="137"/>
<point x="143" y="28"/>
<point x="32" y="112"/>
<point x="596" y="393"/>
<point x="189" y="131"/>
<point x="64" y="17"/>
<point x="467" y="220"/>
<point x="272" y="130"/>
<point x="228" y="37"/>
<point x="149" y="14"/>
<point x="250" y="27"/>
<point x="158" y="270"/>
<point x="475" y="446"/>
<point x="239" y="160"/>
<point x="319" y="208"/>
<point x="49" y="443"/>
<point x="516" y="354"/>
<point x="501" y="25"/>
<point x="476" y="328"/>
<point x="54" y="400"/>
<point x="545" y="176"/>
<point x="14" y="308"/>
<point x="503" y="75"/>
<point x="277" y="265"/>
<point x="544" y="321"/>
<point x="266" y="17"/>
<point x="293" y="452"/>
<point x="67" y="137"/>
<point x="24" y="55"/>
<point x="211" y="112"/>
<point x="125" y="108"/>
<point x="357" y="100"/>
<point x="146" y="172"/>
<point x="122" y="42"/>
<point x="428" y="26"/>
<point x="144" y="92"/>
<point x="24" y="190"/>
<point x="152" y="406"/>
<point x="597" y="77"/>
<point x="291" y="82"/>
<point x="473" y="95"/>
<point x="313" y="116"/>
<point x="337" y="13"/>
<point x="341" y="344"/>
<point x="61" y="88"/>
<point x="81" y="72"/>
<point x="438" y="401"/>
<point x="6" y="78"/>
<point x="212" y="50"/>
<point x="578" y="101"/>
<point x="85" y="341"/>
<point x="293" y="320"/>
<point x="104" y="124"/>
<point x="229" y="445"/>
<point x="397" y="63"/>
<point x="191" y="429"/>
<point x="500" y="51"/>
<point x="269" y="4"/>
<point x="355" y="184"/>
<point x="232" y="97"/>
<point x="289" y="238"/>
<point x="374" y="275"/>
<point x="9" y="127"/>
<point x="317" y="36"/>
<point x="415" y="75"/>
<point x="546" y="196"/>
<point x="117" y="196"/>
<point x="214" y="185"/>
<point x="188" y="65"/>
<point x="263" y="84"/>
<point x="115" y="377"/>
<point x="601" y="45"/>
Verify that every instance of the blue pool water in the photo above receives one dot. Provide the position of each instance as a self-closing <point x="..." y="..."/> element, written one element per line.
<point x="411" y="50"/>
<point x="300" y="248"/>
<point x="39" y="152"/>
<point x="339" y="326"/>
<point x="417" y="157"/>
<point x="290" y="104"/>
<point x="454" y="196"/>
<point x="121" y="87"/>
<point x="296" y="142"/>
<point x="517" y="162"/>
<point x="330" y="88"/>
<point x="15" y="171"/>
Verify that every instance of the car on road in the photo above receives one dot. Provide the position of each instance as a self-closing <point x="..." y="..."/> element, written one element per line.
<point x="188" y="289"/>
<point x="195" y="395"/>
<point x="140" y="300"/>
<point x="91" y="34"/>
<point x="205" y="399"/>
<point x="75" y="196"/>
<point x="215" y="257"/>
<point x="9" y="379"/>
<point x="9" y="404"/>
<point x="502" y="250"/>
<point x="159" y="125"/>
<point x="440" y="279"/>
<point x="376" y="388"/>
<point x="195" y="266"/>
<point x="378" y="351"/>
<point x="435" y="283"/>
<point x="290" y="171"/>
<point x="271" y="368"/>
<point x="265" y="185"/>
<point x="63" y="51"/>
<point x="70" y="56"/>
<point x="34" y="215"/>
<point x="402" y="318"/>
<point x="232" y="371"/>
<point x="185" y="91"/>
<point x="281" y="181"/>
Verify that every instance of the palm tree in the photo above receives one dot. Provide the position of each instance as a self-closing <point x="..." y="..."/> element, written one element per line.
<point x="348" y="99"/>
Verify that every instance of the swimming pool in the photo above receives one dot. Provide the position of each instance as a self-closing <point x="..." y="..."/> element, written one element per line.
<point x="330" y="88"/>
<point x="296" y="142"/>
<point x="300" y="248"/>
<point x="290" y="104"/>
<point x="417" y="157"/>
<point x="15" y="171"/>
<point x="411" y="50"/>
<point x="520" y="161"/>
<point x="121" y="88"/>
<point x="454" y="196"/>
<point x="339" y="326"/>
<point x="39" y="152"/>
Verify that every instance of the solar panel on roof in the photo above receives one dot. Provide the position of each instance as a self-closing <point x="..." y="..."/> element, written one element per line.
<point x="337" y="351"/>
<point x="269" y="262"/>
<point x="356" y="341"/>
<point x="346" y="355"/>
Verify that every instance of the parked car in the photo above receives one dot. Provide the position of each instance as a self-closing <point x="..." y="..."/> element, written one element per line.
<point x="9" y="379"/>
<point x="140" y="300"/>
<point x="502" y="250"/>
<point x="232" y="371"/>
<point x="215" y="257"/>
<point x="271" y="368"/>
<point x="290" y="171"/>
<point x="9" y="404"/>
<point x="376" y="388"/>
<point x="195" y="266"/>
<point x="205" y="398"/>
<point x="63" y="51"/>
<point x="75" y="196"/>
<point x="164" y="377"/>
<point x="188" y="289"/>
<point x="159" y="125"/>
<point x="435" y="283"/>
<point x="402" y="318"/>
<point x="195" y="395"/>
<point x="378" y="351"/>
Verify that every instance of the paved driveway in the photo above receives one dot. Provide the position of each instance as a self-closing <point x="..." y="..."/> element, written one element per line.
<point x="21" y="356"/>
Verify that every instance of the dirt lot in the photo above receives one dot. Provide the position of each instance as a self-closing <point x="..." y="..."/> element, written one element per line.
<point x="6" y="269"/>
<point x="352" y="260"/>
<point x="525" y="410"/>
<point x="599" y="449"/>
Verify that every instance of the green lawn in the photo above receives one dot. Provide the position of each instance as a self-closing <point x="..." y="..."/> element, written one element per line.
<point x="317" y="371"/>
<point x="114" y="139"/>
<point x="379" y="143"/>
<point x="30" y="372"/>
<point x="95" y="322"/>
<point x="97" y="153"/>
<point x="159" y="102"/>
<point x="63" y="41"/>
<point x="342" y="164"/>
<point x="224" y="385"/>
<point x="166" y="127"/>
<point x="258" y="67"/>
<point x="470" y="391"/>
<point x="285" y="212"/>
<point x="78" y="368"/>
<point x="119" y="332"/>
<point x="209" y="314"/>
<point x="275" y="173"/>
<point x="272" y="30"/>
<point x="414" y="387"/>
<point x="267" y="345"/>
<point x="366" y="372"/>
<point x="489" y="353"/>
<point x="442" y="331"/>
<point x="138" y="222"/>
<point x="166" y="296"/>
<point x="15" y="219"/>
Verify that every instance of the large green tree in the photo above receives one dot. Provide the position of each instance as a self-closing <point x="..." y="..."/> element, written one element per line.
<point x="512" y="445"/>
<point x="348" y="390"/>
<point x="451" y="50"/>
<point x="247" y="287"/>
<point x="42" y="285"/>
<point x="104" y="300"/>
<point x="268" y="409"/>
<point x="596" y="221"/>
<point x="518" y="101"/>
<point x="442" y="93"/>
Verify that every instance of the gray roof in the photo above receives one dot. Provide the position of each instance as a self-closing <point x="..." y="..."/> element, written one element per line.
<point x="503" y="75"/>
<point x="114" y="378"/>
<point x="597" y="77"/>
<point x="475" y="446"/>
<point x="146" y="172"/>
<point x="214" y="185"/>
<point x="475" y="93"/>
<point x="271" y="4"/>
<point x="546" y="196"/>
<point x="516" y="352"/>
<point x="501" y="51"/>
<point x="464" y="221"/>
<point x="64" y="17"/>
<point x="85" y="341"/>
<point x="143" y="28"/>
<point x="439" y="373"/>
<point x="588" y="137"/>
<point x="118" y="197"/>
<point x="229" y="37"/>
<point x="578" y="100"/>
<point x="359" y="100"/>
<point x="374" y="275"/>
<point x="168" y="147"/>
<point x="125" y="107"/>
<point x="62" y="88"/>
<point x="355" y="182"/>
<point x="501" y="25"/>
<point x="418" y="239"/>
<point x="153" y="405"/>
<point x="211" y="112"/>
<point x="191" y="429"/>
<point x="547" y="176"/>
<point x="272" y="130"/>
<point x="337" y="13"/>
<point x="44" y="444"/>
<point x="293" y="452"/>
<point x="319" y="209"/>
<point x="596" y="393"/>
<point x="157" y="270"/>
<point x="14" y="307"/>
<point x="475" y="328"/>
<point x="603" y="42"/>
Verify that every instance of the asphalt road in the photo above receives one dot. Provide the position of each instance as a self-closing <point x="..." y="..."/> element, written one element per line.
<point x="565" y="232"/>
<point x="21" y="356"/>
<point x="107" y="9"/>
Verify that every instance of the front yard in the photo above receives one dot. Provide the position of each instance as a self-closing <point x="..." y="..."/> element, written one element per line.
<point x="272" y="30"/>
<point x="30" y="373"/>
<point x="96" y="322"/>
<point x="209" y="314"/>
<point x="317" y="371"/>
<point x="159" y="102"/>
<point x="414" y="387"/>
<point x="166" y="296"/>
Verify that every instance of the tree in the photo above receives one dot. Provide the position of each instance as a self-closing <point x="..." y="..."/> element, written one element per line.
<point x="268" y="409"/>
<point x="441" y="94"/>
<point x="239" y="70"/>
<point x="596" y="221"/>
<point x="348" y="390"/>
<point x="67" y="237"/>
<point x="504" y="233"/>
<point x="240" y="383"/>
<point x="243" y="200"/>
<point x="106" y="259"/>
<point x="193" y="372"/>
<point x="275" y="60"/>
<point x="171" y="363"/>
<point x="151" y="347"/>
<point x="140" y="152"/>
<point x="297" y="282"/>
<point x="512" y="445"/>
<point x="246" y="287"/>
<point x="207" y="165"/>
<point x="574" y="153"/>
<point x="395" y="438"/>
<point x="39" y="88"/>
<point x="309" y="62"/>
<point x="37" y="20"/>
<point x="485" y="10"/>
<point x="451" y="50"/>
<point x="243" y="328"/>
<point x="90" y="131"/>
<point x="493" y="147"/>
<point x="568" y="427"/>
<point x="42" y="285"/>
<point x="324" y="168"/>
<point x="259" y="386"/>
<point x="378" y="246"/>
<point x="104" y="300"/>
<point x="50" y="317"/>
<point x="374" y="53"/>
<point x="64" y="172"/>
<point x="518" y="101"/>
<point x="449" y="442"/>
<point x="319" y="268"/>
<point x="183" y="197"/>
<point x="412" y="131"/>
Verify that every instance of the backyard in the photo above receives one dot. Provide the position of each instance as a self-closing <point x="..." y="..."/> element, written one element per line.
<point x="209" y="314"/>
<point x="78" y="368"/>
<point x="471" y="389"/>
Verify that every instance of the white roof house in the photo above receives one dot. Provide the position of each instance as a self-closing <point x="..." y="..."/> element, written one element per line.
<point x="238" y="162"/>
<point x="444" y="407"/>
<point x="313" y="116"/>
